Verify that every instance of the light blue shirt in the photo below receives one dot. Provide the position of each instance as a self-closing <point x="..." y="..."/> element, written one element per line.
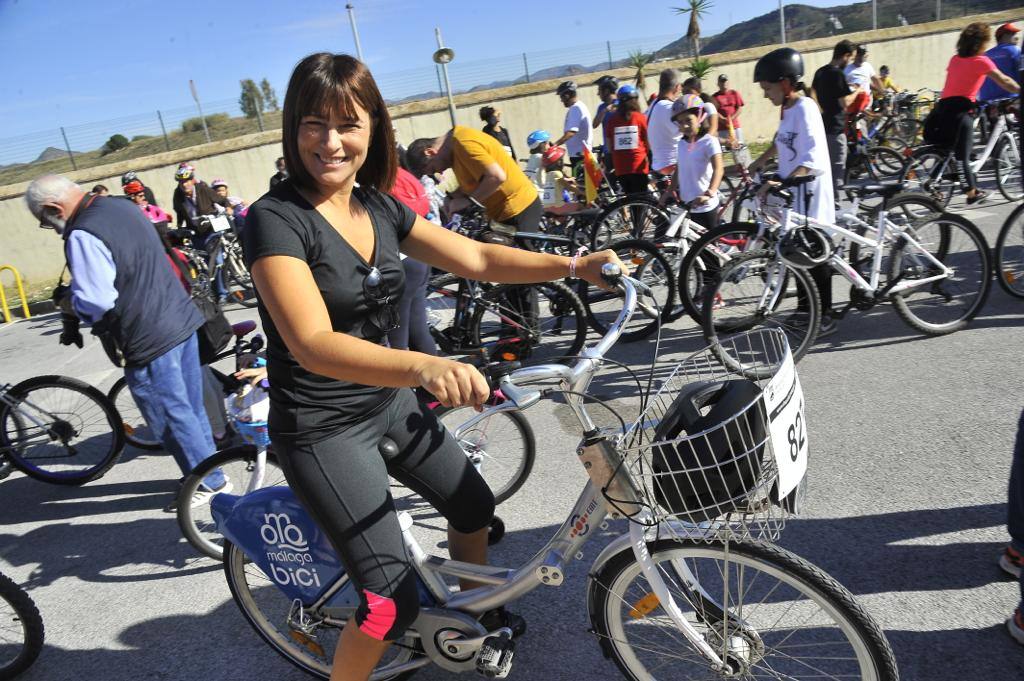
<point x="92" y="276"/>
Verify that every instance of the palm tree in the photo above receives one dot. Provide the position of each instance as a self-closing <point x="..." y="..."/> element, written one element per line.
<point x="639" y="61"/>
<point x="700" y="67"/>
<point x="697" y="10"/>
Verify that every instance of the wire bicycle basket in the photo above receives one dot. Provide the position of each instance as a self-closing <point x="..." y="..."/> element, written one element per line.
<point x="720" y="452"/>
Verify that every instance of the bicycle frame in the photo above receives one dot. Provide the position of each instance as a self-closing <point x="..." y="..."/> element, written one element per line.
<point x="15" y="405"/>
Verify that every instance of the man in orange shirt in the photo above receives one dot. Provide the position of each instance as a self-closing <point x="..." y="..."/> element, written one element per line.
<point x="487" y="176"/>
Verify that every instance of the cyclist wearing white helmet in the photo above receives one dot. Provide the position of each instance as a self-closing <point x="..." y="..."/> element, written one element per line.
<point x="576" y="132"/>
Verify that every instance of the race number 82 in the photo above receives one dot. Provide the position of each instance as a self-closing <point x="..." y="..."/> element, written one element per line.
<point x="796" y="434"/>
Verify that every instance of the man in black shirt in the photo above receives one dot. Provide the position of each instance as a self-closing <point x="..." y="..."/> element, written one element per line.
<point x="281" y="174"/>
<point x="833" y="95"/>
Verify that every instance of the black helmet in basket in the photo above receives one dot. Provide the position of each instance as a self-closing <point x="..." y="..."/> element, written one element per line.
<point x="781" y="64"/>
<point x="702" y="478"/>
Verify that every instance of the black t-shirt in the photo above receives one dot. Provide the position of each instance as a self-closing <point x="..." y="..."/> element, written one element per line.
<point x="829" y="85"/>
<point x="502" y="137"/>
<point x="304" y="406"/>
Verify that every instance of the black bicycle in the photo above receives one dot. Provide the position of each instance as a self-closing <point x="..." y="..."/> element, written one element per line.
<point x="21" y="629"/>
<point x="220" y="259"/>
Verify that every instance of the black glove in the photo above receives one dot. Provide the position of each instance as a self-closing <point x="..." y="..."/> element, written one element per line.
<point x="70" y="334"/>
<point x="60" y="292"/>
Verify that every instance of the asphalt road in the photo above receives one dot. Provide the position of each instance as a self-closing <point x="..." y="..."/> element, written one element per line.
<point x="910" y="447"/>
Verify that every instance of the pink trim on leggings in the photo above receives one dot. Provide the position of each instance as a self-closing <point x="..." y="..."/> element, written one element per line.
<point x="380" y="616"/>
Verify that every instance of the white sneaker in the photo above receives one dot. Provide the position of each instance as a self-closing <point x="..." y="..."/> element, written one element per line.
<point x="201" y="497"/>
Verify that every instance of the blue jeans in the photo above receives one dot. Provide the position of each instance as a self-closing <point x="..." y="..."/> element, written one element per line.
<point x="169" y="393"/>
<point x="1015" y="499"/>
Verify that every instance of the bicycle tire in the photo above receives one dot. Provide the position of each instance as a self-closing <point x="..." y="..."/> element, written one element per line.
<point x="1010" y="265"/>
<point x="513" y="339"/>
<point x="741" y="212"/>
<point x="297" y="650"/>
<point x="927" y="171"/>
<point x="699" y="267"/>
<point x="615" y="608"/>
<point x="6" y="467"/>
<point x="196" y="523"/>
<point x="903" y="264"/>
<point x="646" y="219"/>
<point x="483" y="435"/>
<point x="800" y="325"/>
<point x="132" y="421"/>
<point x="906" y="209"/>
<point x="653" y="269"/>
<point x="66" y="430"/>
<point x="24" y="613"/>
<point x="1007" y="162"/>
<point x="885" y="163"/>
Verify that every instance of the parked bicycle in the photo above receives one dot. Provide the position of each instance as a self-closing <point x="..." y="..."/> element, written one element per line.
<point x="59" y="430"/>
<point x="21" y="630"/>
<point x="218" y="267"/>
<point x="695" y="586"/>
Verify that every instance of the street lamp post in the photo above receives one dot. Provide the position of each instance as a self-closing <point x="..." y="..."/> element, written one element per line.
<point x="874" y="14"/>
<point x="355" y="31"/>
<point x="782" y="22"/>
<point x="195" y="96"/>
<point x="444" y="56"/>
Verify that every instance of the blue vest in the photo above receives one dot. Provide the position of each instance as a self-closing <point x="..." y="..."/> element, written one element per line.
<point x="153" y="312"/>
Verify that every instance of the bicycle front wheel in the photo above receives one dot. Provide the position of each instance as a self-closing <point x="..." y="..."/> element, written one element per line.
<point x="765" y="611"/>
<point x="1010" y="254"/>
<point x="245" y="469"/>
<point x="635" y="217"/>
<point x="21" y="629"/>
<point x="759" y="290"/>
<point x="537" y="322"/>
<point x="950" y="302"/>
<point x="1007" y="161"/>
<point x="704" y="260"/>
<point x="645" y="263"/>
<point x="60" y="430"/>
<point x="272" y="614"/>
<point x="931" y="172"/>
<point x="136" y="431"/>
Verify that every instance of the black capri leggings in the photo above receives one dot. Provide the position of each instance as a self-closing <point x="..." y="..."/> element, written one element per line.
<point x="413" y="332"/>
<point x="342" y="482"/>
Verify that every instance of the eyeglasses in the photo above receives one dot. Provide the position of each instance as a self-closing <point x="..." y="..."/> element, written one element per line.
<point x="384" y="314"/>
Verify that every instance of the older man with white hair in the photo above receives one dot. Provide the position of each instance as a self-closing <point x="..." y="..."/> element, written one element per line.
<point x="124" y="287"/>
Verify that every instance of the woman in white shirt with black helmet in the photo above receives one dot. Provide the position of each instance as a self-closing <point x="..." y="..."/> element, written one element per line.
<point x="801" y="149"/>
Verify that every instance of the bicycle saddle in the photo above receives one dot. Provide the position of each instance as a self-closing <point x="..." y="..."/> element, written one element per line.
<point x="243" y="329"/>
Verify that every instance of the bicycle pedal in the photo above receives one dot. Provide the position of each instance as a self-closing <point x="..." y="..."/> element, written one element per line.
<point x="495" y="657"/>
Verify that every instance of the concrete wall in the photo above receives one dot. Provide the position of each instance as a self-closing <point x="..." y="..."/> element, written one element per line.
<point x="917" y="55"/>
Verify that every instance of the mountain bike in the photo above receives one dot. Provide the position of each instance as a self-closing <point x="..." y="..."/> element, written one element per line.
<point x="219" y="263"/>
<point x="935" y="270"/>
<point x="935" y="170"/>
<point x="21" y="630"/>
<point x="693" y="590"/>
<point x="59" y="430"/>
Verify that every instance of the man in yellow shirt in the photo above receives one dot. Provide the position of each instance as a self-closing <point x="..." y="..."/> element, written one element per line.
<point x="487" y="176"/>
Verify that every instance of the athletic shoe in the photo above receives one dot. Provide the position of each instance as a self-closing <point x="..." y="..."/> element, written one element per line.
<point x="1012" y="561"/>
<point x="201" y="497"/>
<point x="828" y="326"/>
<point x="492" y="620"/>
<point x="1015" y="625"/>
<point x="979" y="197"/>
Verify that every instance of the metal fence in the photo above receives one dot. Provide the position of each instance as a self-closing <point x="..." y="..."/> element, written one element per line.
<point x="81" y="146"/>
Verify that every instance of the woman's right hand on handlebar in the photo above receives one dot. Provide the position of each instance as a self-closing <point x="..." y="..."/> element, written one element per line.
<point x="454" y="384"/>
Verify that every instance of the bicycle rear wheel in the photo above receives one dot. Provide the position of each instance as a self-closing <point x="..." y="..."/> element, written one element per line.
<point x="60" y="430"/>
<point x="502" y="446"/>
<point x="632" y="217"/>
<point x="271" y="614"/>
<point x="136" y="431"/>
<point x="756" y="290"/>
<point x="949" y="304"/>
<point x="767" y="612"/>
<point x="704" y="260"/>
<point x="237" y="278"/>
<point x="536" y="322"/>
<point x="1010" y="254"/>
<point x="245" y="470"/>
<point x="929" y="171"/>
<point x="21" y="629"/>
<point x="644" y="263"/>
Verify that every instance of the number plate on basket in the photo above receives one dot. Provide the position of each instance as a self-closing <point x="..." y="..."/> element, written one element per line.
<point x="787" y="425"/>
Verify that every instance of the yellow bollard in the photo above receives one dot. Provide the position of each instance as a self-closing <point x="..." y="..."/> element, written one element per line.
<point x="21" y="292"/>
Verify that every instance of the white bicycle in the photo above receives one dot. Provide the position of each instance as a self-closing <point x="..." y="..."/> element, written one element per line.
<point x="694" y="588"/>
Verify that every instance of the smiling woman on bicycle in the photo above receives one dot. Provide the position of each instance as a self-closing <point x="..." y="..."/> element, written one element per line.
<point x="951" y="123"/>
<point x="323" y="249"/>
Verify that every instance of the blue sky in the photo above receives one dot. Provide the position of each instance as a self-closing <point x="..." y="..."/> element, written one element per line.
<point x="69" y="62"/>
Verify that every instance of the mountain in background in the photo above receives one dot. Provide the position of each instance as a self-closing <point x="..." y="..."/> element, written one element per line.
<point x="51" y="153"/>
<point x="804" y="22"/>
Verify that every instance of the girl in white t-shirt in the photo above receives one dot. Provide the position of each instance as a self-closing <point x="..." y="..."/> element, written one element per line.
<point x="699" y="168"/>
<point x="801" y="149"/>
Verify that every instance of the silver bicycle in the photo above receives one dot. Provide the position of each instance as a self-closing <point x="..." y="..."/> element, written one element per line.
<point x="692" y="590"/>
